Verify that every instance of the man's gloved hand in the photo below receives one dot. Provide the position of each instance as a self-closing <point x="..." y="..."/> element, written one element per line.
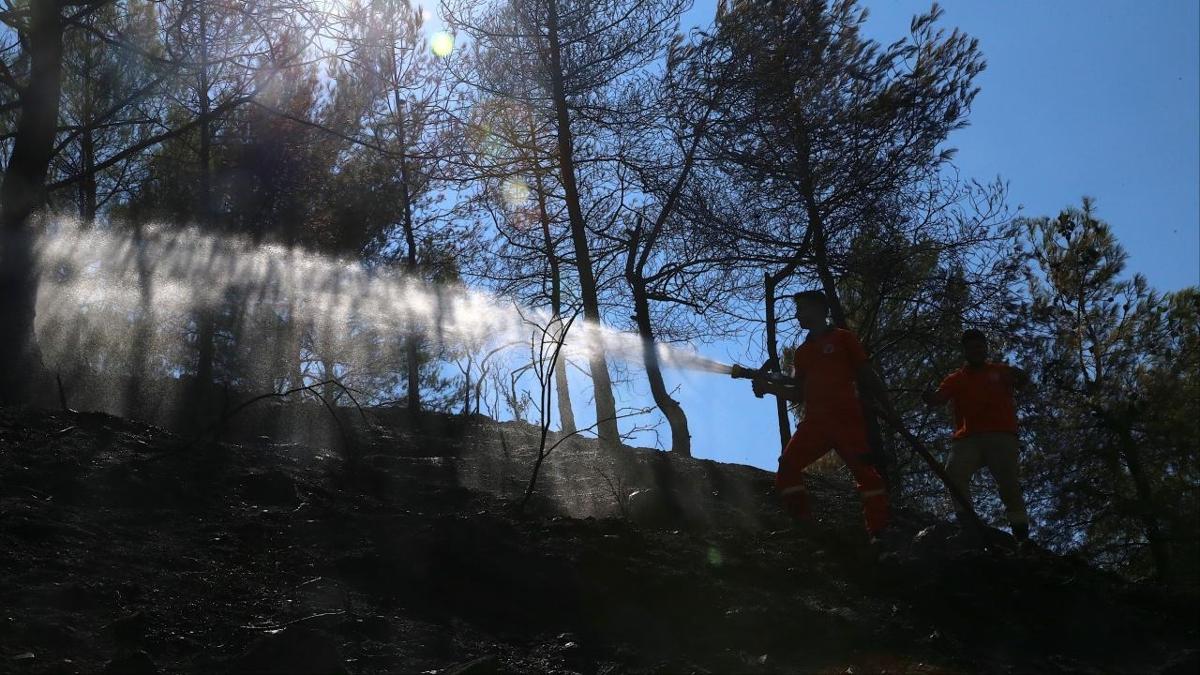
<point x="759" y="386"/>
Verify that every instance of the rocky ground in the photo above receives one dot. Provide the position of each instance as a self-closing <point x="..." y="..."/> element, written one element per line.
<point x="398" y="548"/>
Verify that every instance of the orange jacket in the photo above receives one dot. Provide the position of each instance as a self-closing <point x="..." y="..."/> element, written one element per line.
<point x="982" y="398"/>
<point x="829" y="364"/>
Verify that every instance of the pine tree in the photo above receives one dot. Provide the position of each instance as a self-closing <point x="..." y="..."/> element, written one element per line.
<point x="1100" y="438"/>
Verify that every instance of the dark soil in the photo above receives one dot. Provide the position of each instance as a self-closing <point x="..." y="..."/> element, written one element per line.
<point x="125" y="548"/>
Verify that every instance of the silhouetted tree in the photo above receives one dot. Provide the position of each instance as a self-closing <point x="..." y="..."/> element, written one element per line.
<point x="574" y="55"/>
<point x="38" y="28"/>
<point x="1099" y="340"/>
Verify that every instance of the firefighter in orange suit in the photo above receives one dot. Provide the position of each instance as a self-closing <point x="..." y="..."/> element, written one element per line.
<point x="985" y="426"/>
<point x="828" y="368"/>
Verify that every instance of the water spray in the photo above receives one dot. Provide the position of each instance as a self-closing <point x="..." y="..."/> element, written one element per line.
<point x="767" y="373"/>
<point x="125" y="305"/>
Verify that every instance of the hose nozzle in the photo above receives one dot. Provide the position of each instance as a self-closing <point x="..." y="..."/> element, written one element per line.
<point x="763" y="374"/>
<point x="742" y="372"/>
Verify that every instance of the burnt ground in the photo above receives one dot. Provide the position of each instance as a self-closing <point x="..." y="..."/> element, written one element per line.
<point x="125" y="548"/>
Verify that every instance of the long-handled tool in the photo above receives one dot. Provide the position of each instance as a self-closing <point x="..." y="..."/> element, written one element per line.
<point x="964" y="504"/>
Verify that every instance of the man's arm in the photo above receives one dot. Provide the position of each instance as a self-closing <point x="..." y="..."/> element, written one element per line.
<point x="787" y="392"/>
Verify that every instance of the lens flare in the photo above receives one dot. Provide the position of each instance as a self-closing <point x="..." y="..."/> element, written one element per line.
<point x="714" y="556"/>
<point x="514" y="192"/>
<point x="441" y="44"/>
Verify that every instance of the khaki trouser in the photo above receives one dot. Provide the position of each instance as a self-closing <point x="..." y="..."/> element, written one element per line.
<point x="998" y="452"/>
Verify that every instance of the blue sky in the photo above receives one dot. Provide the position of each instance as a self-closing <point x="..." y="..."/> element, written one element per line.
<point x="1098" y="98"/>
<point x="1080" y="97"/>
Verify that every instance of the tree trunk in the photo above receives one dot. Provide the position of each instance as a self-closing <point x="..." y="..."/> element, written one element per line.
<point x="681" y="438"/>
<point x="479" y="390"/>
<point x="143" y="331"/>
<point x="329" y="372"/>
<point x="606" y="405"/>
<point x="23" y="191"/>
<point x="206" y="330"/>
<point x="205" y="178"/>
<point x="413" y="341"/>
<point x="838" y="314"/>
<point x="87" y="186"/>
<point x="781" y="410"/>
<point x="1160" y="549"/>
<point x="206" y="316"/>
<point x="467" y="389"/>
<point x="296" y="340"/>
<point x="87" y="142"/>
<point x="566" y="416"/>
<point x="413" y="361"/>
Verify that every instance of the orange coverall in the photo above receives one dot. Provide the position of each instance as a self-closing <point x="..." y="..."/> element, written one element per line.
<point x="828" y="364"/>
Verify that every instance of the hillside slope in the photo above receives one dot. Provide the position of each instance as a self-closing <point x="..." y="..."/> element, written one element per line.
<point x="129" y="549"/>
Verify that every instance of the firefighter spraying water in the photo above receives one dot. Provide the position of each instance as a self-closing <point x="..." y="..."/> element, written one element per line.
<point x="824" y="373"/>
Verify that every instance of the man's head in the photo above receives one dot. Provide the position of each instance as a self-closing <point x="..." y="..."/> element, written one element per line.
<point x="975" y="346"/>
<point x="811" y="309"/>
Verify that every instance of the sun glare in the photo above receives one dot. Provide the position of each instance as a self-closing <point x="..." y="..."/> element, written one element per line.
<point x="515" y="192"/>
<point x="441" y="44"/>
